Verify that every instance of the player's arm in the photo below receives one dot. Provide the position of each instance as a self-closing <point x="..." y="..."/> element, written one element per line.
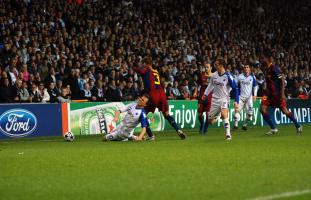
<point x="238" y="84"/>
<point x="281" y="78"/>
<point x="283" y="87"/>
<point x="199" y="81"/>
<point x="142" y="134"/>
<point x="255" y="88"/>
<point x="116" y="115"/>
<point x="208" y="90"/>
<point x="144" y="123"/>
<point x="140" y="70"/>
<point x="235" y="91"/>
<point x="118" y="112"/>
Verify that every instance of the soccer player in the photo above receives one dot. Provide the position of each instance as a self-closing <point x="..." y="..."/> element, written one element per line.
<point x="157" y="95"/>
<point x="274" y="93"/>
<point x="204" y="106"/>
<point x="221" y="84"/>
<point x="135" y="114"/>
<point x="248" y="88"/>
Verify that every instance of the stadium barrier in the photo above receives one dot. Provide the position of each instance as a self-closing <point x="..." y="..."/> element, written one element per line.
<point x="30" y="120"/>
<point x="83" y="120"/>
<point x="301" y="109"/>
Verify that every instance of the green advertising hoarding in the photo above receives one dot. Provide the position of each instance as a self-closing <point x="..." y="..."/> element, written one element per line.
<point x="186" y="115"/>
<point x="84" y="121"/>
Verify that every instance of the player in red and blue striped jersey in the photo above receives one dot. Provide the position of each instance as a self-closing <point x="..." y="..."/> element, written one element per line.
<point x="204" y="106"/>
<point x="274" y="93"/>
<point x="152" y="86"/>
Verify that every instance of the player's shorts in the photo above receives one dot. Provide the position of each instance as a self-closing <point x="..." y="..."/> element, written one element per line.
<point x="204" y="106"/>
<point x="216" y="106"/>
<point x="159" y="101"/>
<point x="120" y="133"/>
<point x="274" y="102"/>
<point x="246" y="102"/>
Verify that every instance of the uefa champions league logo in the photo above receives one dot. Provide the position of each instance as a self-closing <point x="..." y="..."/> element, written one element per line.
<point x="18" y="123"/>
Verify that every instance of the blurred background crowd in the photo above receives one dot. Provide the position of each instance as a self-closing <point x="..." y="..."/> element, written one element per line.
<point x="62" y="50"/>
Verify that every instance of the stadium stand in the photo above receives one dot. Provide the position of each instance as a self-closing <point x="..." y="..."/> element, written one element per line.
<point x="57" y="51"/>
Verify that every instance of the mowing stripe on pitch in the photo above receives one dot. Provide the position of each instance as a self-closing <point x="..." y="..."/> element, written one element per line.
<point x="282" y="195"/>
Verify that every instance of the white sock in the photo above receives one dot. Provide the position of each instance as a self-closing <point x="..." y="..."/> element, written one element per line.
<point x="236" y="119"/>
<point x="227" y="126"/>
<point x="248" y="119"/>
<point x="236" y="123"/>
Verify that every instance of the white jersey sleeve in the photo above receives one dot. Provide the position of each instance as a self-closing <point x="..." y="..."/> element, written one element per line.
<point x="127" y="107"/>
<point x="210" y="87"/>
<point x="255" y="86"/>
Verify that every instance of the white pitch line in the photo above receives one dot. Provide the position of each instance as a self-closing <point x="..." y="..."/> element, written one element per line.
<point x="282" y="195"/>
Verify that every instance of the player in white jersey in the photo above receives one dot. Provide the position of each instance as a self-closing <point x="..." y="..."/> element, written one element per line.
<point x="221" y="84"/>
<point x="248" y="92"/>
<point x="135" y="114"/>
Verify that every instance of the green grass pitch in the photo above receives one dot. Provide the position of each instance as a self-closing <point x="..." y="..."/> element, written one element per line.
<point x="201" y="167"/>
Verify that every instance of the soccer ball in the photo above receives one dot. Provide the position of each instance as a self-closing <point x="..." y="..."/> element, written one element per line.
<point x="69" y="137"/>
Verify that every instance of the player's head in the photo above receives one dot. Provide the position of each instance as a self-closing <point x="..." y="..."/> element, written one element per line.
<point x="266" y="57"/>
<point x="247" y="69"/>
<point x="143" y="100"/>
<point x="147" y="61"/>
<point x="220" y="64"/>
<point x="208" y="67"/>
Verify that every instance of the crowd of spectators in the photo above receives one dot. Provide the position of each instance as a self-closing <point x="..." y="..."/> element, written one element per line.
<point x="57" y="51"/>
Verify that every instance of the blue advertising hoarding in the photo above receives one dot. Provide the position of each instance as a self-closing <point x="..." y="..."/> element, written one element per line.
<point x="30" y="120"/>
<point x="301" y="109"/>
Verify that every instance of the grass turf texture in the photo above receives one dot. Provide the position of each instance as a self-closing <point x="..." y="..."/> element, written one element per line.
<point x="200" y="167"/>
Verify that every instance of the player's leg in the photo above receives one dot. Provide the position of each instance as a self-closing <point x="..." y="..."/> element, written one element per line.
<point x="206" y="109"/>
<point x="292" y="118"/>
<point x="214" y="111"/>
<point x="225" y="118"/>
<point x="265" y="114"/>
<point x="126" y="134"/>
<point x="173" y="123"/>
<point x="163" y="106"/>
<point x="164" y="109"/>
<point x="249" y="114"/>
<point x="150" y="135"/>
<point x="148" y="109"/>
<point x="206" y="124"/>
<point x="200" y="117"/>
<point x="114" y="135"/>
<point x="237" y="115"/>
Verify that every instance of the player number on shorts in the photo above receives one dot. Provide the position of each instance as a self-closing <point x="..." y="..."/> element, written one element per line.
<point x="156" y="79"/>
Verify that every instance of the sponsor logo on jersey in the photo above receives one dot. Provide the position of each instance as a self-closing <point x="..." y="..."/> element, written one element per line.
<point x="219" y="83"/>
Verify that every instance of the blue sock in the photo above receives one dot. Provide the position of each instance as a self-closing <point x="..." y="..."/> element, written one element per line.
<point x="172" y="122"/>
<point x="267" y="118"/>
<point x="294" y="120"/>
<point x="201" y="122"/>
<point x="206" y="124"/>
<point x="149" y="132"/>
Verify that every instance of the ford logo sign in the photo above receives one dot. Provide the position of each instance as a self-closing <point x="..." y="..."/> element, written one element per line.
<point x="18" y="123"/>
